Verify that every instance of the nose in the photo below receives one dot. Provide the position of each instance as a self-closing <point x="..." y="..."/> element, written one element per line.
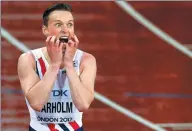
<point x="64" y="29"/>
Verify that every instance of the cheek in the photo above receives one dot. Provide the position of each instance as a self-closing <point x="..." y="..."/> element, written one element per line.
<point x="54" y="31"/>
<point x="71" y="32"/>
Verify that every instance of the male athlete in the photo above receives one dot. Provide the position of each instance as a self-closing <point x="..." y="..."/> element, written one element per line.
<point x="58" y="79"/>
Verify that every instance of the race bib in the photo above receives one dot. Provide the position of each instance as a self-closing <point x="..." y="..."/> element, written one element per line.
<point x="57" y="111"/>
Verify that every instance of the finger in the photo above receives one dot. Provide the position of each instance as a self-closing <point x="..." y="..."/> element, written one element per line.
<point x="52" y="41"/>
<point x="71" y="43"/>
<point x="61" y="45"/>
<point x="67" y="46"/>
<point x="76" y="40"/>
<point x="57" y="43"/>
<point x="47" y="40"/>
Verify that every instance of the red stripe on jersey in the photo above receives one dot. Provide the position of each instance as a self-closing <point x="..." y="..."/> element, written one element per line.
<point x="74" y="125"/>
<point x="42" y="64"/>
<point x="52" y="127"/>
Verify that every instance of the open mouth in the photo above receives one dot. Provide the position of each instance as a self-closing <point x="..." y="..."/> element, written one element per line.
<point x="64" y="39"/>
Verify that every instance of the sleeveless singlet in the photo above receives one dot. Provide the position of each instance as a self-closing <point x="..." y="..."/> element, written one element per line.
<point x="59" y="113"/>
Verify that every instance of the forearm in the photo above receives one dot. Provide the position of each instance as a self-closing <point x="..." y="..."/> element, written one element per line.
<point x="38" y="95"/>
<point x="81" y="96"/>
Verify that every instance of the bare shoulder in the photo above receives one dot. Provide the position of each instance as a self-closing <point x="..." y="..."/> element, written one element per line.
<point x="26" y="59"/>
<point x="88" y="61"/>
<point x="88" y="58"/>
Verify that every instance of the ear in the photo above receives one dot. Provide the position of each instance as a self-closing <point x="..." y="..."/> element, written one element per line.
<point x="45" y="30"/>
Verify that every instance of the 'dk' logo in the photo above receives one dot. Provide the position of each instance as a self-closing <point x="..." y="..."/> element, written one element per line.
<point x="59" y="92"/>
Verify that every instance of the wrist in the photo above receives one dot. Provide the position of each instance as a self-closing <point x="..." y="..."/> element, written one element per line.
<point x="55" y="67"/>
<point x="69" y="67"/>
<point x="69" y="64"/>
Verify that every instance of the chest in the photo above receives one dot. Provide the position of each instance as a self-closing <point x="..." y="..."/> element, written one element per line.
<point x="61" y="87"/>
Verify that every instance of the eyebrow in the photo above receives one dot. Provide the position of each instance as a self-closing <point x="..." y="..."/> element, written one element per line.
<point x="61" y="21"/>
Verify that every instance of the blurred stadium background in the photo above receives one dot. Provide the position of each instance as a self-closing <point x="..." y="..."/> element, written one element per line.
<point x="136" y="68"/>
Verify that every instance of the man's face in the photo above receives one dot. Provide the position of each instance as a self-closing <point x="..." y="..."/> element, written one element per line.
<point x="60" y="23"/>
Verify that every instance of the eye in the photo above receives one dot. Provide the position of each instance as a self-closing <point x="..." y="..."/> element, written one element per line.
<point x="57" y="24"/>
<point x="70" y="24"/>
